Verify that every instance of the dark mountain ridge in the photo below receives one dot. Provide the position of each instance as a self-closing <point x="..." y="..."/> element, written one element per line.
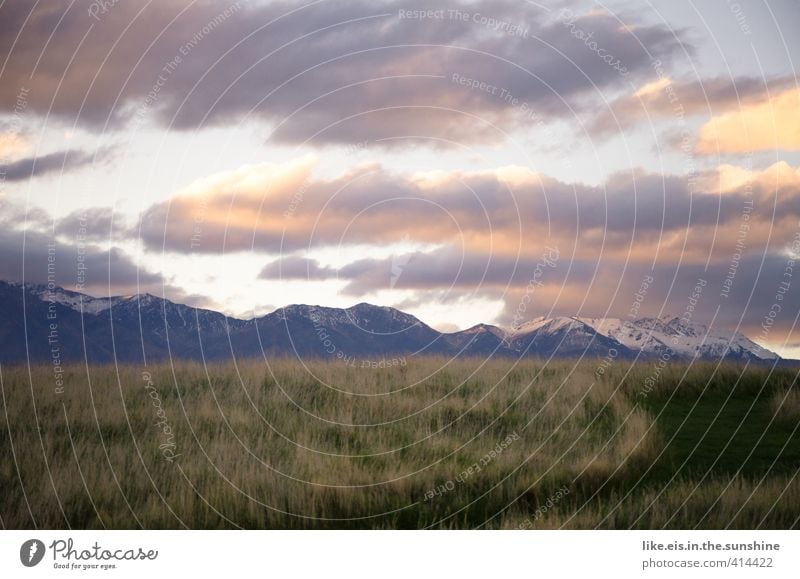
<point x="41" y="324"/>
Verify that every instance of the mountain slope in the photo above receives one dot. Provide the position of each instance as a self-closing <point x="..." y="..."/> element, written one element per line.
<point x="564" y="336"/>
<point x="672" y="336"/>
<point x="57" y="326"/>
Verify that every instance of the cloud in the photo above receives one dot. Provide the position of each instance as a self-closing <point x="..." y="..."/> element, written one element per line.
<point x="33" y="256"/>
<point x="296" y="268"/>
<point x="740" y="232"/>
<point x="31" y="253"/>
<point x="439" y="269"/>
<point x="615" y="290"/>
<point x="280" y="209"/>
<point x="662" y="97"/>
<point x="12" y="144"/>
<point x="327" y="72"/>
<point x="231" y="211"/>
<point x="767" y="125"/>
<point x="481" y="233"/>
<point x="734" y="293"/>
<point x="95" y="224"/>
<point x="58" y="162"/>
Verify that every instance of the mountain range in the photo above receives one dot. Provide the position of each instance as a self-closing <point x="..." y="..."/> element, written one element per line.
<point x="40" y="323"/>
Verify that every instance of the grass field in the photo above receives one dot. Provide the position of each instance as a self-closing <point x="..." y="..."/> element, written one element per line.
<point x="428" y="444"/>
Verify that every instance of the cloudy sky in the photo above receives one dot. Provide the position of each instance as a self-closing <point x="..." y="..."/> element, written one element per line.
<point x="452" y="159"/>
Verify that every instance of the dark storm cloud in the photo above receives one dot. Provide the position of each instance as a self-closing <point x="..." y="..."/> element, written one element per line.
<point x="736" y="293"/>
<point x="449" y="267"/>
<point x="612" y="288"/>
<point x="91" y="269"/>
<point x="31" y="253"/>
<point x="731" y="294"/>
<point x="330" y="71"/>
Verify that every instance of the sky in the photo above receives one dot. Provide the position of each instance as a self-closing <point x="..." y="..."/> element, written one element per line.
<point x="466" y="162"/>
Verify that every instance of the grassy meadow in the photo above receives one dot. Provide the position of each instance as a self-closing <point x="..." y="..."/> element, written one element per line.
<point x="430" y="443"/>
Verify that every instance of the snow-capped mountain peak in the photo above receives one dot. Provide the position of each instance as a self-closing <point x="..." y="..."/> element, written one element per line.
<point x="76" y="301"/>
<point x="668" y="336"/>
<point x="167" y="328"/>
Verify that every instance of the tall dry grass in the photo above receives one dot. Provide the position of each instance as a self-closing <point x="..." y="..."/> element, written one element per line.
<point x="785" y="404"/>
<point x="316" y="445"/>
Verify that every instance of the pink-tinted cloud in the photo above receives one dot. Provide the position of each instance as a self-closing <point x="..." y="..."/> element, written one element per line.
<point x="325" y="72"/>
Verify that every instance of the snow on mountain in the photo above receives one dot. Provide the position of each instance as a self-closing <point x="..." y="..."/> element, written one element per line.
<point x="676" y="337"/>
<point x="91" y="305"/>
<point x="485" y="329"/>
<point x="363" y="315"/>
<point x="184" y="331"/>
<point x="76" y="301"/>
<point x="551" y="325"/>
<point x="667" y="336"/>
<point x="560" y="336"/>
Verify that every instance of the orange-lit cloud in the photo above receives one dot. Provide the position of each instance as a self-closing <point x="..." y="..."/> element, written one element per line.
<point x="483" y="233"/>
<point x="772" y="124"/>
<point x="668" y="98"/>
<point x="12" y="145"/>
<point x="508" y="211"/>
<point x="727" y="178"/>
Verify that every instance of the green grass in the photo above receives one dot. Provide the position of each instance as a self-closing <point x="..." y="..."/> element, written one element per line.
<point x="330" y="446"/>
<point x="726" y="436"/>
